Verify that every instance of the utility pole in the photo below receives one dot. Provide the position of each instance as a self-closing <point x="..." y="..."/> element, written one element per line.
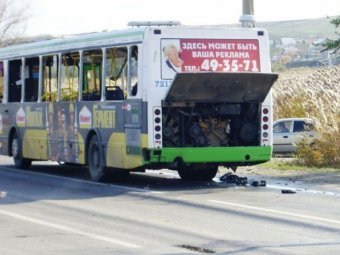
<point x="247" y="18"/>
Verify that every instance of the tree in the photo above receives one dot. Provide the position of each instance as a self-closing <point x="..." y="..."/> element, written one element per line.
<point x="333" y="45"/>
<point x="13" y="17"/>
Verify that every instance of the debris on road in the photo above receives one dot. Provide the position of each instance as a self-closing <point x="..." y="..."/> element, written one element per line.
<point x="234" y="179"/>
<point x="241" y="181"/>
<point x="288" y="191"/>
<point x="196" y="249"/>
<point x="258" y="183"/>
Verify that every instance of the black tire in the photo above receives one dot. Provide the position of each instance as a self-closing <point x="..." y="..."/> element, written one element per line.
<point x="16" y="148"/>
<point x="95" y="160"/>
<point x="197" y="172"/>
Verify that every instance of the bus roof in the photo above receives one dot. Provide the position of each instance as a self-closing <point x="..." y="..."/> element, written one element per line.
<point x="73" y="42"/>
<point x="100" y="39"/>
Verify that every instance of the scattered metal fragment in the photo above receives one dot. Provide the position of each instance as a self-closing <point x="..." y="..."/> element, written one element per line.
<point x="288" y="191"/>
<point x="197" y="249"/>
<point x="261" y="183"/>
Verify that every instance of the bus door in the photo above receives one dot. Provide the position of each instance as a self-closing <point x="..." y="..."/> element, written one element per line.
<point x="133" y="125"/>
<point x="133" y="112"/>
<point x="121" y="88"/>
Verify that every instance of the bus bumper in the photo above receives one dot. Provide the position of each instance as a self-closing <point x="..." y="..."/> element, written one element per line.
<point x="219" y="155"/>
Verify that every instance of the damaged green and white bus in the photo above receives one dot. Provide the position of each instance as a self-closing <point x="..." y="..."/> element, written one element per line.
<point x="157" y="95"/>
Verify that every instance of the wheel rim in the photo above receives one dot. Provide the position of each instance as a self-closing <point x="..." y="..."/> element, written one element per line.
<point x="15" y="147"/>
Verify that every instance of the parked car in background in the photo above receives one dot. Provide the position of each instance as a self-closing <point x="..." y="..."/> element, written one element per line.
<point x="288" y="133"/>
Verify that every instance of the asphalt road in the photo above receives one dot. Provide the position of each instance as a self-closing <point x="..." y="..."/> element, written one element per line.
<point x="55" y="210"/>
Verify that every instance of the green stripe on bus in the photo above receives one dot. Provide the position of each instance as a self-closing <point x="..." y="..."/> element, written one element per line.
<point x="212" y="154"/>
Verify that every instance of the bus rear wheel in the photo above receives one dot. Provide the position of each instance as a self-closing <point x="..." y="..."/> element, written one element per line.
<point x="16" y="147"/>
<point x="95" y="160"/>
<point x="197" y="172"/>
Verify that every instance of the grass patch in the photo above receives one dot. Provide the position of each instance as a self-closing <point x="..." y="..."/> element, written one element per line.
<point x="293" y="164"/>
<point x="284" y="165"/>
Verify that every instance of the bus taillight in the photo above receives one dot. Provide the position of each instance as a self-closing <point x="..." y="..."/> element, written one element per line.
<point x="157" y="117"/>
<point x="265" y="126"/>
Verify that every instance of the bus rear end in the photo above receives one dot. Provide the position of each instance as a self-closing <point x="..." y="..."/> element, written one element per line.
<point x="209" y="100"/>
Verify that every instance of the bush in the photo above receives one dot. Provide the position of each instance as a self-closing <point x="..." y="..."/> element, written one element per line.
<point x="277" y="67"/>
<point x="324" y="152"/>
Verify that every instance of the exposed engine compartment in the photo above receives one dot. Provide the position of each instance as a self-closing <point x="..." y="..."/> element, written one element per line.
<point x="211" y="125"/>
<point x="209" y="109"/>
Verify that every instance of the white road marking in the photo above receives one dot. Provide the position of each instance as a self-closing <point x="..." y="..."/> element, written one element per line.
<point x="303" y="216"/>
<point x="70" y="230"/>
<point x="304" y="190"/>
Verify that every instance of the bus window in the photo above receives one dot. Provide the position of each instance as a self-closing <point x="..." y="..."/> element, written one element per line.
<point x="31" y="79"/>
<point x="69" y="77"/>
<point x="133" y="62"/>
<point x="14" y="82"/>
<point x="50" y="78"/>
<point x="92" y="75"/>
<point x="116" y="73"/>
<point x="1" y="81"/>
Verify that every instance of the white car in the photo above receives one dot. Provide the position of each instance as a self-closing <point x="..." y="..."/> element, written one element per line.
<point x="288" y="133"/>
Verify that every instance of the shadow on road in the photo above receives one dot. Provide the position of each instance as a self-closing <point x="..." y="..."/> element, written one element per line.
<point x="52" y="181"/>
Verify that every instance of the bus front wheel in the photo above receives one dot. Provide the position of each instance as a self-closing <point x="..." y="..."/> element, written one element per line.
<point x="19" y="160"/>
<point x="95" y="159"/>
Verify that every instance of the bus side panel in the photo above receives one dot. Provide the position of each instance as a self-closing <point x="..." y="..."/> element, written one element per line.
<point x="62" y="133"/>
<point x="124" y="147"/>
<point x="34" y="144"/>
<point x="48" y="131"/>
<point x="29" y="120"/>
<point x="120" y="128"/>
<point x="68" y="125"/>
<point x="58" y="131"/>
<point x="7" y="120"/>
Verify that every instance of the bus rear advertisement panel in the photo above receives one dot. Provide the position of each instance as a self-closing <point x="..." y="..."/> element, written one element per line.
<point x="218" y="55"/>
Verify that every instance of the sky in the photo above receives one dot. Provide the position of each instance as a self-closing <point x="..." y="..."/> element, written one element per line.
<point x="63" y="17"/>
